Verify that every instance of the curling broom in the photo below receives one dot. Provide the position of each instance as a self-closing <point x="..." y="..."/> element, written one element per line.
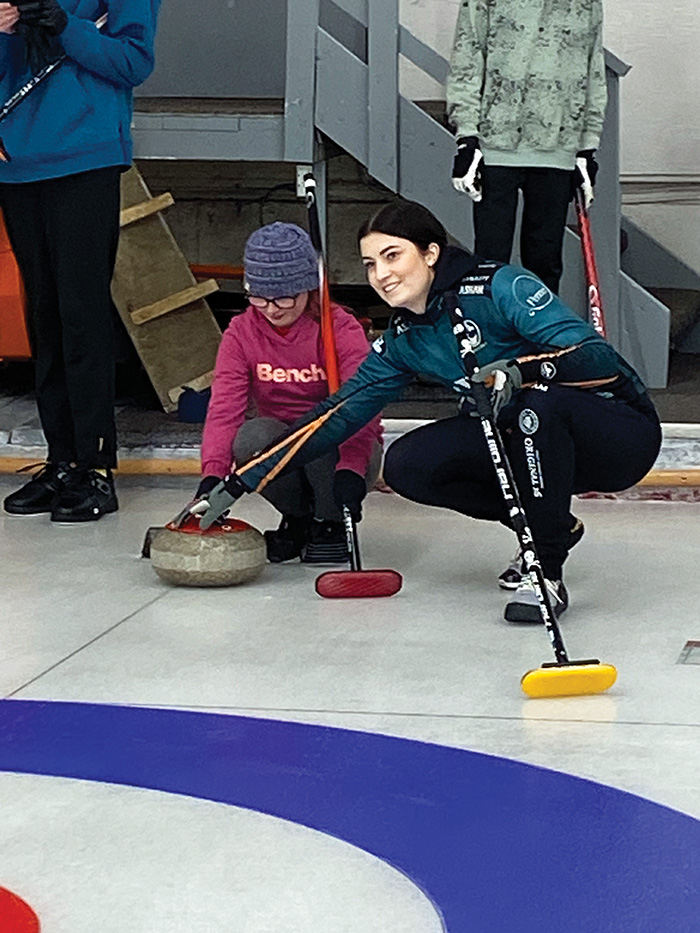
<point x="354" y="583"/>
<point x="561" y="677"/>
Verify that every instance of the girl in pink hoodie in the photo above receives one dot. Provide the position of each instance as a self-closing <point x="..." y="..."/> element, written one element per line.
<point x="270" y="370"/>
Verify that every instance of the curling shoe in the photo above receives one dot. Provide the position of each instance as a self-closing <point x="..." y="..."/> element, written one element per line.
<point x="287" y="542"/>
<point x="523" y="605"/>
<point x="86" y="497"/>
<point x="512" y="576"/>
<point x="327" y="544"/>
<point x="40" y="493"/>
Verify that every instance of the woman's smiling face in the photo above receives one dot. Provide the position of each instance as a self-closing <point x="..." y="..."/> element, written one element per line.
<point x="398" y="270"/>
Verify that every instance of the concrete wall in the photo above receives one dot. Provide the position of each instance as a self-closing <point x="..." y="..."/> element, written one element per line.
<point x="660" y="124"/>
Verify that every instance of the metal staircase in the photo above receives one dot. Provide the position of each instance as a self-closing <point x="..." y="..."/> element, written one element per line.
<point x="341" y="80"/>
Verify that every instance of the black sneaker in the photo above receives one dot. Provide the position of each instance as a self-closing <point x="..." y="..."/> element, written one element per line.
<point x="524" y="607"/>
<point x="40" y="493"/>
<point x="328" y="544"/>
<point x="512" y="576"/>
<point x="287" y="541"/>
<point x="86" y="497"/>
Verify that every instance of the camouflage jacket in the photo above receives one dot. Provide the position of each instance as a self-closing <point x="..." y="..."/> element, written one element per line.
<point x="528" y="78"/>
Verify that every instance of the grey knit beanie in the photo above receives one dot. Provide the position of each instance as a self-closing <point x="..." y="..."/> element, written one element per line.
<point x="280" y="260"/>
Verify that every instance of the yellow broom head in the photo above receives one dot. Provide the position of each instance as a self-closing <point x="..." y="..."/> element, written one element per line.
<point x="577" y="678"/>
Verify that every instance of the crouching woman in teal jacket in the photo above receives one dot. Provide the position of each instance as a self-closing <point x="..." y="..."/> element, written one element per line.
<point x="574" y="415"/>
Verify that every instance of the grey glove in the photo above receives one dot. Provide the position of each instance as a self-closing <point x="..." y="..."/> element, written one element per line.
<point x="504" y="378"/>
<point x="218" y="501"/>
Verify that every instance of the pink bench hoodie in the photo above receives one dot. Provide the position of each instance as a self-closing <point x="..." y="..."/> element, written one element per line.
<point x="263" y="373"/>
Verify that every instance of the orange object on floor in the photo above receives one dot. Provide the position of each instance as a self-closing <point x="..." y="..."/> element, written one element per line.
<point x="14" y="337"/>
<point x="15" y="915"/>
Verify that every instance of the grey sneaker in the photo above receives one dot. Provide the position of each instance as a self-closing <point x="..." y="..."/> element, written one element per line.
<point x="512" y="576"/>
<point x="523" y="605"/>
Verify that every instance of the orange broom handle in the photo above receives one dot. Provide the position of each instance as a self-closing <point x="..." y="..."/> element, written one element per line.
<point x="595" y="305"/>
<point x="327" y="332"/>
<point x="328" y="335"/>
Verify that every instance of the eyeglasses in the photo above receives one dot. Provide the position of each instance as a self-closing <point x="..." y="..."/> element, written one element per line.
<point x="284" y="304"/>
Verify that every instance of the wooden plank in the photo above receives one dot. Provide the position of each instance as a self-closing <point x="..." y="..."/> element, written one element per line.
<point x="189" y="466"/>
<point x="173" y="302"/>
<point x="177" y="347"/>
<point x="145" y="209"/>
<point x="671" y="478"/>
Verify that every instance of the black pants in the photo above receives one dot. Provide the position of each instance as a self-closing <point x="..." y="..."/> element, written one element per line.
<point x="546" y="197"/>
<point x="64" y="233"/>
<point x="304" y="491"/>
<point x="560" y="441"/>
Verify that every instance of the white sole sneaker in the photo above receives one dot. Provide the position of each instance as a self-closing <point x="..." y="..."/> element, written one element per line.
<point x="523" y="606"/>
<point x="512" y="576"/>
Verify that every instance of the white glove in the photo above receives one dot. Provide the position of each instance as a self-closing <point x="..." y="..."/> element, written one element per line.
<point x="466" y="170"/>
<point x="585" y="174"/>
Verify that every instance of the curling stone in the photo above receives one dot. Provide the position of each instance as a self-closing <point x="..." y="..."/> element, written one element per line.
<point x="226" y="554"/>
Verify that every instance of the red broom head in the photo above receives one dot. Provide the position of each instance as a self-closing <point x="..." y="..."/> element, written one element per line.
<point x="358" y="584"/>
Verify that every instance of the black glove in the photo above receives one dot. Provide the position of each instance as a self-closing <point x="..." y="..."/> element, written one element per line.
<point x="40" y="47"/>
<point x="466" y="170"/>
<point x="585" y="175"/>
<point x="349" y="489"/>
<point x="45" y="13"/>
<point x="507" y="379"/>
<point x="206" y="485"/>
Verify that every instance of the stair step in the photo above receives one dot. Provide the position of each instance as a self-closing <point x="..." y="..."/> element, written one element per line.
<point x="684" y="305"/>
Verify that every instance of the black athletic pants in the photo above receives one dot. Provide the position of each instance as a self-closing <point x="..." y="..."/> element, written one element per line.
<point x="64" y="233"/>
<point x="560" y="441"/>
<point x="546" y="197"/>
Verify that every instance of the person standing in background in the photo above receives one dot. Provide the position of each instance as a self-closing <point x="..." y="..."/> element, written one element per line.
<point x="526" y="96"/>
<point x="66" y="147"/>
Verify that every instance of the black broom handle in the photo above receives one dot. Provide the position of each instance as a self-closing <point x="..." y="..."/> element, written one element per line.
<point x="516" y="513"/>
<point x="352" y="539"/>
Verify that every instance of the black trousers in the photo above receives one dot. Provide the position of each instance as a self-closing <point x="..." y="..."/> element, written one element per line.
<point x="546" y="197"/>
<point x="559" y="440"/>
<point x="64" y="233"/>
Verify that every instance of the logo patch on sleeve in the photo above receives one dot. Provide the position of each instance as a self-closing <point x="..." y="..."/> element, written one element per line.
<point x="530" y="292"/>
<point x="548" y="370"/>
<point x="379" y="346"/>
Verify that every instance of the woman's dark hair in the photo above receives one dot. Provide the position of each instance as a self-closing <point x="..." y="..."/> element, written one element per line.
<point x="408" y="220"/>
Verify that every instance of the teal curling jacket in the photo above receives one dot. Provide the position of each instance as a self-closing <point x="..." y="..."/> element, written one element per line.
<point x="508" y="314"/>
